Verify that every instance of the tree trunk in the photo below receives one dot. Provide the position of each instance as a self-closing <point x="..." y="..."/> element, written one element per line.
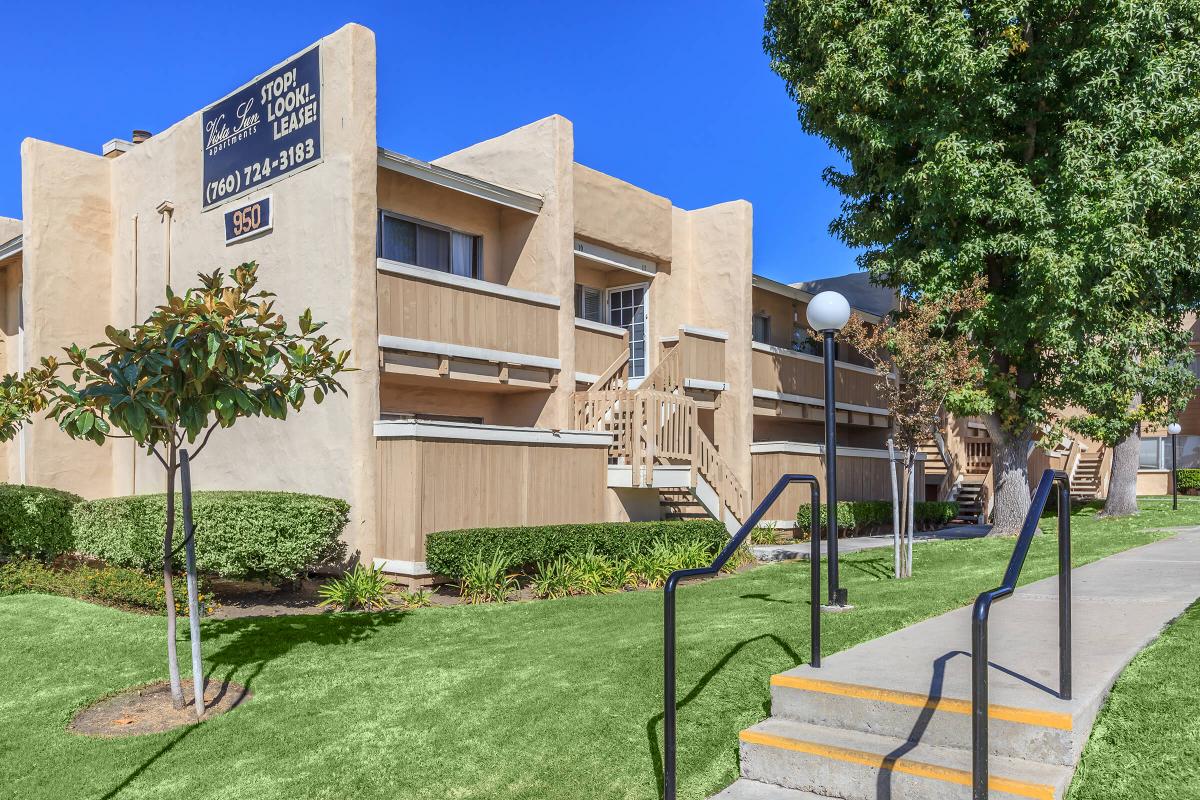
<point x="904" y="504"/>
<point x="896" y="533"/>
<point x="911" y="461"/>
<point x="1122" y="484"/>
<point x="169" y="588"/>
<point x="1010" y="476"/>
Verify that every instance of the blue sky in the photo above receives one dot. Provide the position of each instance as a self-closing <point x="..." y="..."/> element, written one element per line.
<point x="673" y="96"/>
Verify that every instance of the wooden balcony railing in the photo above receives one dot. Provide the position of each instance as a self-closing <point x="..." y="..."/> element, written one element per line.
<point x="701" y="354"/>
<point x="431" y="306"/>
<point x="597" y="346"/>
<point x="789" y="373"/>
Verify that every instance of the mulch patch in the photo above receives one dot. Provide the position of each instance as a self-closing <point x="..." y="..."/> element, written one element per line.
<point x="148" y="709"/>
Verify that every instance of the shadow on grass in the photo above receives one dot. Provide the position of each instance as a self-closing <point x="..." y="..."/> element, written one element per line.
<point x="654" y="723"/>
<point x="254" y="642"/>
<point x="763" y="596"/>
<point x="876" y="567"/>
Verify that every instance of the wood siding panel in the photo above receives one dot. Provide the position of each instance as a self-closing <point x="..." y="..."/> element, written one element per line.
<point x="427" y="486"/>
<point x="858" y="479"/>
<point x="417" y="309"/>
<point x="595" y="351"/>
<point x="791" y="375"/>
<point x="703" y="358"/>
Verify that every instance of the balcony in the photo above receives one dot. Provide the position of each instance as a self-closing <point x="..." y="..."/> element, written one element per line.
<point x="792" y="385"/>
<point x="449" y="328"/>
<point x="597" y="346"/>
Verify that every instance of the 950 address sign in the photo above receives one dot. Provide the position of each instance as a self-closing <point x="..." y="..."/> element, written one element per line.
<point x="249" y="220"/>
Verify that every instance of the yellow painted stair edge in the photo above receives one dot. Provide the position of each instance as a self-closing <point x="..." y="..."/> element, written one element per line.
<point x="1026" y="716"/>
<point x="1034" y="791"/>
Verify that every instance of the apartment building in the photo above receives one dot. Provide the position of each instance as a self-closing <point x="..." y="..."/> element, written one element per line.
<point x="536" y="341"/>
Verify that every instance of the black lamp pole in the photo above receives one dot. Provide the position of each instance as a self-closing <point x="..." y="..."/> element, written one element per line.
<point x="837" y="595"/>
<point x="1174" y="475"/>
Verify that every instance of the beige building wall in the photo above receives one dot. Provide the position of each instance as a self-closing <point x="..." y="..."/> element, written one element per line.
<point x="94" y="230"/>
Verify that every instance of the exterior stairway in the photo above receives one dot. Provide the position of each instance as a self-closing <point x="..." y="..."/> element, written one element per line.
<point x="681" y="504"/>
<point x="970" y="500"/>
<point x="890" y="719"/>
<point x="1086" y="482"/>
<point x="658" y="442"/>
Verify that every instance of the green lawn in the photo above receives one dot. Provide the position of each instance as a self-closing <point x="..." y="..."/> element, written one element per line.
<point x="1146" y="742"/>
<point x="553" y="699"/>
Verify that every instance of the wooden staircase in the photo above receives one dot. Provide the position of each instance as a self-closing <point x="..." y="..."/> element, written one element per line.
<point x="1088" y="479"/>
<point x="970" y="498"/>
<point x="656" y="425"/>
<point x="681" y="504"/>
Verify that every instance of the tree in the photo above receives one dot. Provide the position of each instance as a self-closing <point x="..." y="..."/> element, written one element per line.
<point x="1041" y="144"/>
<point x="1132" y="373"/>
<point x="923" y="362"/>
<point x="201" y="361"/>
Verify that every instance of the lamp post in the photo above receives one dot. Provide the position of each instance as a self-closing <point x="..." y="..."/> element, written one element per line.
<point x="1174" y="430"/>
<point x="828" y="312"/>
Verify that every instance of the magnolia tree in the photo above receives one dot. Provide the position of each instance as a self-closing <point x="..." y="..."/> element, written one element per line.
<point x="924" y="363"/>
<point x="201" y="361"/>
<point x="1052" y="148"/>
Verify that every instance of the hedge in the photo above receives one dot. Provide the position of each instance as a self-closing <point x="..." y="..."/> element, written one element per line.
<point x="35" y="522"/>
<point x="98" y="583"/>
<point x="858" y="515"/>
<point x="1188" y="479"/>
<point x="270" y="536"/>
<point x="447" y="552"/>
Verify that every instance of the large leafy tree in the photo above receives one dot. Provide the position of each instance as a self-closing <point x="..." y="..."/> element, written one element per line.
<point x="201" y="361"/>
<point x="1049" y="146"/>
<point x="1133" y="372"/>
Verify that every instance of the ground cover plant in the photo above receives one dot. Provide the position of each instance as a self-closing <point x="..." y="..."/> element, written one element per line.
<point x="1146" y="742"/>
<point x="564" y="697"/>
<point x="96" y="583"/>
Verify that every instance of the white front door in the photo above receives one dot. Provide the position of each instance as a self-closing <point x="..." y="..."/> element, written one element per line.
<point x="627" y="309"/>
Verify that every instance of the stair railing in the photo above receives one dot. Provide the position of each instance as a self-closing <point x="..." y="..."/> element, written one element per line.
<point x="983" y="607"/>
<point x="669" y="734"/>
<point x="616" y="376"/>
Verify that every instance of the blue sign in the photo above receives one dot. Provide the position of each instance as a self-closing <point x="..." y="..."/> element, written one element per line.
<point x="263" y="131"/>
<point x="248" y="220"/>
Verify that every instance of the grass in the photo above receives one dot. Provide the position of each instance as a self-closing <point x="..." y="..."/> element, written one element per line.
<point x="545" y="699"/>
<point x="1146" y="742"/>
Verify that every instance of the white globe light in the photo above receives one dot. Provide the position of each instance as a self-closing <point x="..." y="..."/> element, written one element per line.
<point x="828" y="311"/>
<point x="1174" y="428"/>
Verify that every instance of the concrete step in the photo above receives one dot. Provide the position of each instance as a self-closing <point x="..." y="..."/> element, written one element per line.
<point x="863" y="766"/>
<point x="890" y="718"/>
<point x="754" y="790"/>
<point x="928" y="716"/>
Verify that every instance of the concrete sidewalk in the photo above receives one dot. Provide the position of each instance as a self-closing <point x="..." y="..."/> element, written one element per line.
<point x="890" y="718"/>
<point x="853" y="544"/>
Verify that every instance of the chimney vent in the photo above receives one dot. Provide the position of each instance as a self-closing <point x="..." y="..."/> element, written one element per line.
<point x="140" y="136"/>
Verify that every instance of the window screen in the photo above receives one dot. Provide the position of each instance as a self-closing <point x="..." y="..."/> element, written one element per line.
<point x="589" y="303"/>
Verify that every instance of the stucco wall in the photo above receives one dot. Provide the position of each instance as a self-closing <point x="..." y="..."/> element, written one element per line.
<point x="68" y="244"/>
<point x="618" y="214"/>
<point x="92" y="232"/>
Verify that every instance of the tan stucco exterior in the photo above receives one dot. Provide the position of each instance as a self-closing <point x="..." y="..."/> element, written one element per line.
<point x="489" y="364"/>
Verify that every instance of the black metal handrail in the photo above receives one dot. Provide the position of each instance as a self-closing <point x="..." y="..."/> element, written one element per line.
<point x="682" y="574"/>
<point x="983" y="607"/>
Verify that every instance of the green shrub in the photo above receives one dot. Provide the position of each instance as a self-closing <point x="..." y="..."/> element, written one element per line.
<point x="113" y="586"/>
<point x="271" y="536"/>
<point x="1189" y="479"/>
<point x="35" y="522"/>
<point x="488" y="580"/>
<point x="552" y="579"/>
<point x="448" y="552"/>
<point x="855" y="516"/>
<point x="764" y="533"/>
<point x="362" y="587"/>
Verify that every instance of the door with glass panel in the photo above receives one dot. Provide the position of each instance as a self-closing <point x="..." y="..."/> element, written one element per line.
<point x="627" y="309"/>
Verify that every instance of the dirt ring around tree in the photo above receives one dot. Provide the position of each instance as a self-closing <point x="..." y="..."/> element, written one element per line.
<point x="148" y="709"/>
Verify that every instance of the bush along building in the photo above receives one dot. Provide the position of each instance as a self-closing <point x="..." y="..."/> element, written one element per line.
<point x="536" y="342"/>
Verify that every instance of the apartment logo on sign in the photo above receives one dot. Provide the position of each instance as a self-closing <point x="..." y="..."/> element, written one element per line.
<point x="263" y="131"/>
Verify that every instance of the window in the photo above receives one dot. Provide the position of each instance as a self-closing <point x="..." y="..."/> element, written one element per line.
<point x="589" y="303"/>
<point x="430" y="246"/>
<point x="760" y="331"/>
<point x="627" y="309"/>
<point x="1153" y="454"/>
